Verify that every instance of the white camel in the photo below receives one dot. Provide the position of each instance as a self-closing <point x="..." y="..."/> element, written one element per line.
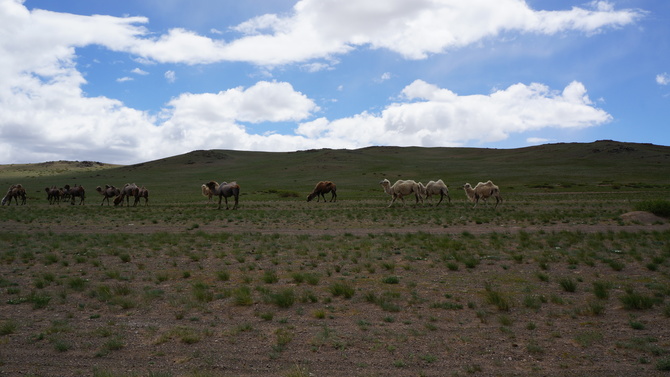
<point x="483" y="191"/>
<point x="437" y="188"/>
<point x="402" y="188"/>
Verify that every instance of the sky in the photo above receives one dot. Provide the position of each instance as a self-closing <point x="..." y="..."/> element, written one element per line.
<point x="130" y="81"/>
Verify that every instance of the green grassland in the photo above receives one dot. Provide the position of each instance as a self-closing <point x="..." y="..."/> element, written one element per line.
<point x="555" y="281"/>
<point x="573" y="167"/>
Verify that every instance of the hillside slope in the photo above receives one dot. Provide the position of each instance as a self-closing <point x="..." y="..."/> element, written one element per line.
<point x="597" y="164"/>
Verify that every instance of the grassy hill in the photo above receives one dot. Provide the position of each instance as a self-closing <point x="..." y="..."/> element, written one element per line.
<point x="262" y="175"/>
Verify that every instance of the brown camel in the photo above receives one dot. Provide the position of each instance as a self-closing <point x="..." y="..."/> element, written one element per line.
<point x="225" y="190"/>
<point x="321" y="189"/>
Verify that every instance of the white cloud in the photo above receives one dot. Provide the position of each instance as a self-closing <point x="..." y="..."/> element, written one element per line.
<point x="45" y="115"/>
<point x="314" y="30"/>
<point x="124" y="79"/>
<point x="432" y="116"/>
<point x="537" y="140"/>
<point x="385" y="76"/>
<point x="138" y="71"/>
<point x="170" y="76"/>
<point x="663" y="78"/>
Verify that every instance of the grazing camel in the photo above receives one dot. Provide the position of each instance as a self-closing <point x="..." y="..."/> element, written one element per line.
<point x="73" y="192"/>
<point x="483" y="191"/>
<point x="53" y="194"/>
<point x="225" y="190"/>
<point x="118" y="200"/>
<point x="108" y="192"/>
<point x="321" y="189"/>
<point x="437" y="188"/>
<point x="128" y="190"/>
<point x="142" y="193"/>
<point x="402" y="188"/>
<point x="15" y="192"/>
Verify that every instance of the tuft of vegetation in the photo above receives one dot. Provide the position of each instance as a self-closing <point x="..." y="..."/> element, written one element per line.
<point x="658" y="207"/>
<point x="342" y="289"/>
<point x="633" y="300"/>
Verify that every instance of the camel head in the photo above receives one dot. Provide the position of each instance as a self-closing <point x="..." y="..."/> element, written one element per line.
<point x="213" y="185"/>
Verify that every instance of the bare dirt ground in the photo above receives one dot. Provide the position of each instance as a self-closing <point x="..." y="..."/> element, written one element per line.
<point x="78" y="334"/>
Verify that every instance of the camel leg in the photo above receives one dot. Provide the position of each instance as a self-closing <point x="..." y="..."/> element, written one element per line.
<point x="441" y="197"/>
<point x="393" y="200"/>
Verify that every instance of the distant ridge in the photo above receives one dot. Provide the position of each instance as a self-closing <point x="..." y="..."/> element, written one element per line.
<point x="600" y="164"/>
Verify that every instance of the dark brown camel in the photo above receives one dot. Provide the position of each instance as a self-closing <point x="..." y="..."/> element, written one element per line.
<point x="15" y="192"/>
<point x="108" y="192"/>
<point x="142" y="193"/>
<point x="321" y="189"/>
<point x="225" y="190"/>
<point x="74" y="192"/>
<point x="53" y="194"/>
<point x="128" y="190"/>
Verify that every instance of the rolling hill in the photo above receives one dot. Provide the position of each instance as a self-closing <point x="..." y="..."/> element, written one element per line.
<point x="604" y="163"/>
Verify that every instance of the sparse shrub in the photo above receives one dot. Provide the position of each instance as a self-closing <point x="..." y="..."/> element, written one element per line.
<point x="532" y="302"/>
<point x="270" y="277"/>
<point x="663" y="364"/>
<point x="446" y="305"/>
<point x="342" y="289"/>
<point x="8" y="327"/>
<point x="76" y="283"/>
<point x="616" y="265"/>
<point x="391" y="280"/>
<point x="501" y="301"/>
<point x="61" y="345"/>
<point x="636" y="301"/>
<point x="284" y="298"/>
<point x="601" y="289"/>
<point x="202" y="293"/>
<point x="223" y="275"/>
<point x="242" y="296"/>
<point x="534" y="348"/>
<point x="39" y="300"/>
<point x="658" y="207"/>
<point x="595" y="307"/>
<point x="568" y="284"/>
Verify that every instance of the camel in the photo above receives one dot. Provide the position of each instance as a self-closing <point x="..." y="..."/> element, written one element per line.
<point x="53" y="194"/>
<point x="206" y="192"/>
<point x="224" y="190"/>
<point x="402" y="188"/>
<point x="321" y="189"/>
<point x="73" y="192"/>
<point x="118" y="200"/>
<point x="436" y="188"/>
<point x="483" y="191"/>
<point x="142" y="193"/>
<point x="108" y="192"/>
<point x="128" y="190"/>
<point x="15" y="192"/>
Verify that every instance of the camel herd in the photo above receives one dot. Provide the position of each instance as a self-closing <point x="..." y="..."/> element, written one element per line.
<point x="55" y="195"/>
<point x="400" y="189"/>
<point x="15" y="192"/>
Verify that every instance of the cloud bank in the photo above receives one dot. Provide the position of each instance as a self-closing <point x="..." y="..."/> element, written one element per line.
<point x="45" y="115"/>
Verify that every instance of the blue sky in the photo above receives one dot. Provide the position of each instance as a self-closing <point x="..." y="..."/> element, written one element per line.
<point x="131" y="81"/>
